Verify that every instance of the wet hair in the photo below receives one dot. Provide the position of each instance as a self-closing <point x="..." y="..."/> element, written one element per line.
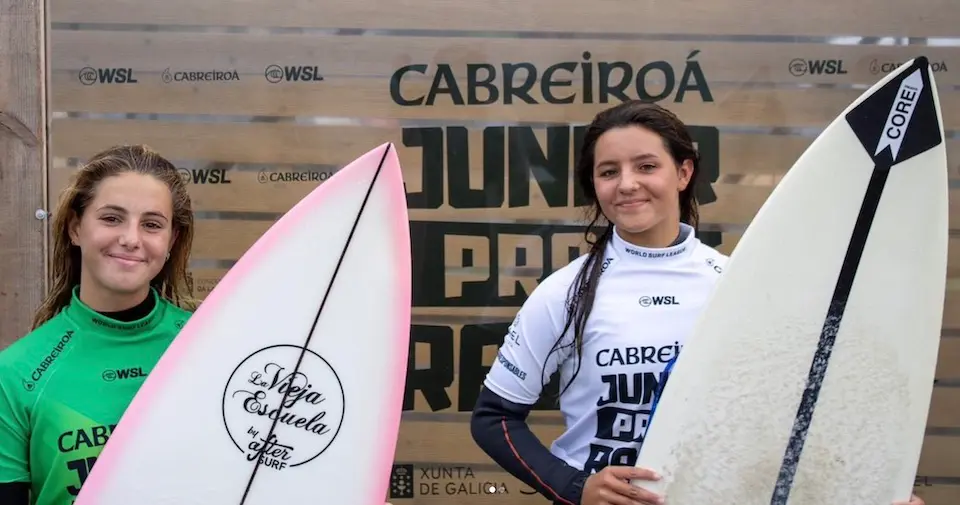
<point x="678" y="142"/>
<point x="172" y="282"/>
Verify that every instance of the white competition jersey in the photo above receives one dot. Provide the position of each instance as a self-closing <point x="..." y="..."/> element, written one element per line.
<point x="646" y="304"/>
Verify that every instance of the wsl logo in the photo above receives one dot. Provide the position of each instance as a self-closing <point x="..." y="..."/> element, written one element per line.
<point x="292" y="73"/>
<point x="801" y="66"/>
<point x="89" y="76"/>
<point x="204" y="176"/>
<point x="280" y="416"/>
<point x="111" y="375"/>
<point x="651" y="301"/>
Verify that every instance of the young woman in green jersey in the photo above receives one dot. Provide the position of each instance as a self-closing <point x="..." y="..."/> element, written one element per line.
<point x="122" y="235"/>
<point x="123" y="232"/>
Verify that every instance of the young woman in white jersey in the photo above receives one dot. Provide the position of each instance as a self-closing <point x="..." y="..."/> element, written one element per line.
<point x="611" y="321"/>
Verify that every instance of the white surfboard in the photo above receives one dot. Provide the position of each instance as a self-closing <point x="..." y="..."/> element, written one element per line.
<point x="286" y="385"/>
<point x="808" y="378"/>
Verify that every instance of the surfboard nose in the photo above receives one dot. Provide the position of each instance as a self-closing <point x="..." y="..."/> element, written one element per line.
<point x="899" y="117"/>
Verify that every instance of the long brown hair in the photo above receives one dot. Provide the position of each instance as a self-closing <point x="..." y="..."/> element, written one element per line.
<point x="173" y="282"/>
<point x="679" y="143"/>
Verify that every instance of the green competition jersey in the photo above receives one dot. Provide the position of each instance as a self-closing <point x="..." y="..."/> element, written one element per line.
<point x="63" y="388"/>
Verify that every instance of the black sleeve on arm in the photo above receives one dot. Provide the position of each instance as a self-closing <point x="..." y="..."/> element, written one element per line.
<point x="15" y="493"/>
<point x="499" y="427"/>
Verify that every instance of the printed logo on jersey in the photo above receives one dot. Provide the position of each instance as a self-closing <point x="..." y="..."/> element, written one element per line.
<point x="123" y="373"/>
<point x="514" y="369"/>
<point x="623" y="410"/>
<point x="657" y="254"/>
<point x="606" y="264"/>
<point x="712" y="263"/>
<point x="29" y="383"/>
<point x="82" y="440"/>
<point x="513" y="336"/>
<point x="603" y="268"/>
<point x="281" y="416"/>
<point x="124" y="327"/>
<point x="652" y="301"/>
<point x="642" y="355"/>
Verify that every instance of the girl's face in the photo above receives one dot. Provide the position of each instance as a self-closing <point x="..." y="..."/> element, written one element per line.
<point x="124" y="236"/>
<point x="638" y="185"/>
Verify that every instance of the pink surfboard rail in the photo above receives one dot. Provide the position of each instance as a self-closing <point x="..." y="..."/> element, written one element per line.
<point x="360" y="171"/>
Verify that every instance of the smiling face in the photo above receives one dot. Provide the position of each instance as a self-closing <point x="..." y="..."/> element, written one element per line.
<point x="638" y="185"/>
<point x="124" y="236"/>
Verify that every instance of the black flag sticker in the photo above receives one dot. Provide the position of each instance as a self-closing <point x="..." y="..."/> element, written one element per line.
<point x="899" y="121"/>
<point x="899" y="118"/>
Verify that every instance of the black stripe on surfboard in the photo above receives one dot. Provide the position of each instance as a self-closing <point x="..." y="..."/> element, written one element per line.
<point x="316" y="319"/>
<point x="889" y="141"/>
<point x="828" y="335"/>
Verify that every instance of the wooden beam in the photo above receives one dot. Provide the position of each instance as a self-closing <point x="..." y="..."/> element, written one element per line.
<point x="23" y="161"/>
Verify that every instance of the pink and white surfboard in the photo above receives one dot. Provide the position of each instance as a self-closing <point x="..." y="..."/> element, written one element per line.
<point x="286" y="384"/>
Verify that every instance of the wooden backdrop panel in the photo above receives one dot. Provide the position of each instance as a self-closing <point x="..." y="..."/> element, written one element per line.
<point x="275" y="97"/>
<point x="337" y="56"/>
<point x="23" y="156"/>
<point x="280" y="143"/>
<point x="922" y="18"/>
<point x="368" y="98"/>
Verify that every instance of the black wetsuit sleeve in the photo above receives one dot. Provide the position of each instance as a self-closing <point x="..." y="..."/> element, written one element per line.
<point x="15" y="493"/>
<point x="499" y="427"/>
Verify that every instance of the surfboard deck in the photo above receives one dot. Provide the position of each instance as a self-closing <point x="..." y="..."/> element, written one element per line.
<point x="807" y="379"/>
<point x="286" y="384"/>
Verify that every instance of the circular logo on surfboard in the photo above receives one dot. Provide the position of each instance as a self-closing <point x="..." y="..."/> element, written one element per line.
<point x="282" y="409"/>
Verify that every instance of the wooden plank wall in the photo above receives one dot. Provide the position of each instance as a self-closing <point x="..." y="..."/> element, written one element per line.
<point x="23" y="151"/>
<point x="259" y="101"/>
